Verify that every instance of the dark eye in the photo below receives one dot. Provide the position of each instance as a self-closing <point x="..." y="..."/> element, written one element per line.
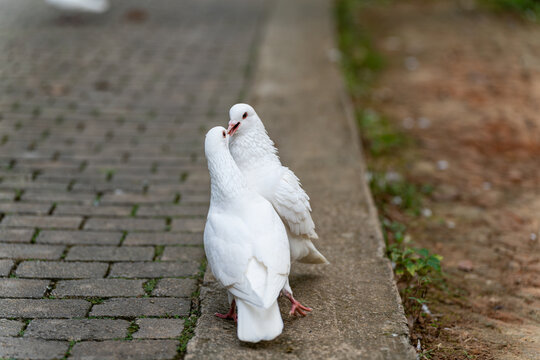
<point x="244" y="116"/>
<point x="224" y="133"/>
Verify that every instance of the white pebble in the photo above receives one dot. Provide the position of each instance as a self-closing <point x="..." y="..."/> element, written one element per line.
<point x="411" y="63"/>
<point x="397" y="200"/>
<point x="427" y="212"/>
<point x="391" y="176"/>
<point x="424" y="123"/>
<point x="334" y="55"/>
<point x="408" y="123"/>
<point x="426" y="309"/>
<point x="442" y="164"/>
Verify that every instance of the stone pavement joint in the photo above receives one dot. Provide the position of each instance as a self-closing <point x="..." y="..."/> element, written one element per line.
<point x="103" y="182"/>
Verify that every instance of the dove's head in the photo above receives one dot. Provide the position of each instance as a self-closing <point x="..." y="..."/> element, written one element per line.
<point x="216" y="141"/>
<point x="242" y="117"/>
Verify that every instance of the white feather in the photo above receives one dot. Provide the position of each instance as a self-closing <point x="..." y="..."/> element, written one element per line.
<point x="245" y="243"/>
<point x="256" y="156"/>
<point x="95" y="6"/>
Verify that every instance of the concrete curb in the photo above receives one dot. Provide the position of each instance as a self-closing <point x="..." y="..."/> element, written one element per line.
<point x="300" y="95"/>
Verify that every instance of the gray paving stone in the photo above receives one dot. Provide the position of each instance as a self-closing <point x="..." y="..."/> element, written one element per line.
<point x="24" y="208"/>
<point x="99" y="288"/>
<point x="154" y="269"/>
<point x="45" y="222"/>
<point x="175" y="287"/>
<point x="77" y="329"/>
<point x="192" y="225"/>
<point x="50" y="196"/>
<point x="131" y="198"/>
<point x="61" y="270"/>
<point x="23" y="288"/>
<point x="79" y="237"/>
<point x="159" y="328"/>
<point x="182" y="253"/>
<point x="31" y="251"/>
<point x="128" y="224"/>
<point x="133" y="350"/>
<point x="132" y="307"/>
<point x="43" y="308"/>
<point x="5" y="267"/>
<point x="10" y="327"/>
<point x="195" y="199"/>
<point x="110" y="253"/>
<point x="171" y="238"/>
<point x="91" y="210"/>
<point x="21" y="348"/>
<point x="16" y="235"/>
<point x="172" y="210"/>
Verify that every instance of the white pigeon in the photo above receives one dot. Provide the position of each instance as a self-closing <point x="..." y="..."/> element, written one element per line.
<point x="94" y="6"/>
<point x="245" y="243"/>
<point x="257" y="157"/>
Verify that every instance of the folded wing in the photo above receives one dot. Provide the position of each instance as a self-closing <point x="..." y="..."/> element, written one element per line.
<point x="292" y="204"/>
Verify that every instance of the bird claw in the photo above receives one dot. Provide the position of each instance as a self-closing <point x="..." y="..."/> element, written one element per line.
<point x="231" y="314"/>
<point x="227" y="316"/>
<point x="298" y="309"/>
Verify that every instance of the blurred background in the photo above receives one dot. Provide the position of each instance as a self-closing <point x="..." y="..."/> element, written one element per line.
<point x="103" y="107"/>
<point x="447" y="97"/>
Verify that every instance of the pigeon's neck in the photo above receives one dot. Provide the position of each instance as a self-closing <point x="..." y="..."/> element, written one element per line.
<point x="226" y="179"/>
<point x="254" y="148"/>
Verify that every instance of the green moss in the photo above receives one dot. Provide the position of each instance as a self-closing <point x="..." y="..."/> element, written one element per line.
<point x="529" y="9"/>
<point x="149" y="286"/>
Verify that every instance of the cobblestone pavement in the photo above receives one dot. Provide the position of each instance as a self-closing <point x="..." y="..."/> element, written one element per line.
<point x="103" y="182"/>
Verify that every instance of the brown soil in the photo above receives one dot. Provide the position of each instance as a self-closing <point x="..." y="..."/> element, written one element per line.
<point x="465" y="83"/>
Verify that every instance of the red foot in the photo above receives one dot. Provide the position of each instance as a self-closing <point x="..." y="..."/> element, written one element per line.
<point x="296" y="307"/>
<point x="231" y="314"/>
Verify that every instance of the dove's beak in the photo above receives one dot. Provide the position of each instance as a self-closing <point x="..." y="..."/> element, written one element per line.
<point x="232" y="128"/>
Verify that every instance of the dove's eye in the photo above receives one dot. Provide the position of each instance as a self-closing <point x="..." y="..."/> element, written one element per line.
<point x="244" y="116"/>
<point x="224" y="134"/>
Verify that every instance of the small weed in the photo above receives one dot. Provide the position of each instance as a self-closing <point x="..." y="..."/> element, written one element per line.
<point x="34" y="237"/>
<point x="95" y="300"/>
<point x="378" y="135"/>
<point x="132" y="328"/>
<point x="360" y="61"/>
<point x="390" y="189"/>
<point x="134" y="210"/>
<point x="158" y="251"/>
<point x="149" y="286"/>
<point x="183" y="176"/>
<point x="23" y="329"/>
<point x="18" y="194"/>
<point x="70" y="347"/>
<point x="187" y="333"/>
<point x="36" y="112"/>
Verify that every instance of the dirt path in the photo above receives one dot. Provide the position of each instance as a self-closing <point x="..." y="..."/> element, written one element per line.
<point x="465" y="84"/>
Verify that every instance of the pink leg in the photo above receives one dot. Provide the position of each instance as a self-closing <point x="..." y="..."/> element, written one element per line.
<point x="296" y="307"/>
<point x="231" y="314"/>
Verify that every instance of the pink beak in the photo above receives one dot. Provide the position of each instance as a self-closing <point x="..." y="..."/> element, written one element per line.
<point x="233" y="127"/>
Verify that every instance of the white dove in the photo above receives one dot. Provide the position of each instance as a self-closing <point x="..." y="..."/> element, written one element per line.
<point x="94" y="6"/>
<point x="256" y="156"/>
<point x="245" y="243"/>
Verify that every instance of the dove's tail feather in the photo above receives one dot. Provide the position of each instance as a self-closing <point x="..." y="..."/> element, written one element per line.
<point x="256" y="324"/>
<point x="303" y="250"/>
